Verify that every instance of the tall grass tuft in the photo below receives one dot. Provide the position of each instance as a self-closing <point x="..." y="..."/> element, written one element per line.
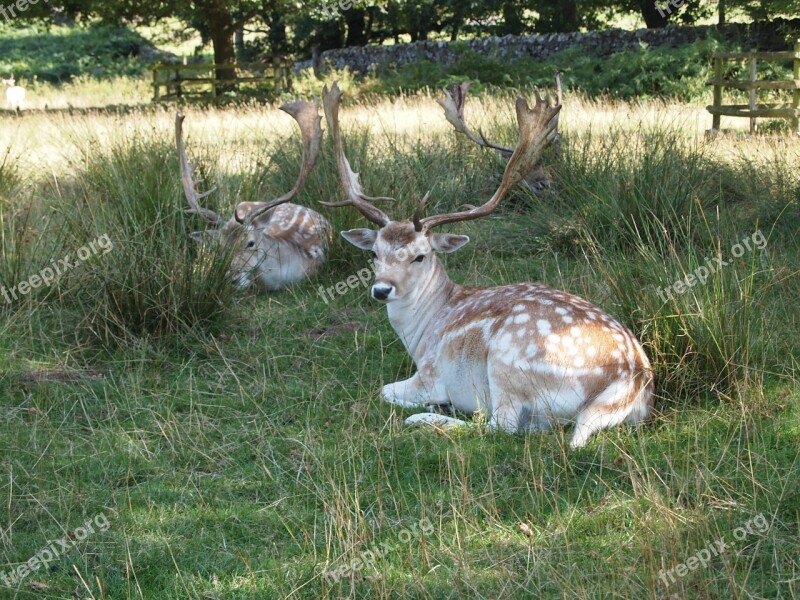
<point x="651" y="211"/>
<point x="22" y="249"/>
<point x="628" y="189"/>
<point x="712" y="333"/>
<point x="12" y="224"/>
<point x="155" y="279"/>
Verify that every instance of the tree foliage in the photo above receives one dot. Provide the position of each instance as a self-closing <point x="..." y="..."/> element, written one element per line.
<point x="297" y="26"/>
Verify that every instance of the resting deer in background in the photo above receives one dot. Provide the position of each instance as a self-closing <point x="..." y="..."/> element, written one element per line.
<point x="15" y="94"/>
<point x="526" y="354"/>
<point x="275" y="243"/>
<point x="453" y="104"/>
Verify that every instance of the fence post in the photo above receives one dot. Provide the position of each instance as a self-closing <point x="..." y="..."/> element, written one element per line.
<point x="716" y="117"/>
<point x="796" y="92"/>
<point x="752" y="92"/>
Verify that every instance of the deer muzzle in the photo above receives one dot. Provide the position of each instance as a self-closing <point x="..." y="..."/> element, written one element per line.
<point x="382" y="292"/>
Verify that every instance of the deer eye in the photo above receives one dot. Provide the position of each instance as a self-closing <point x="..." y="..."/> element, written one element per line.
<point x="251" y="244"/>
<point x="420" y="258"/>
<point x="373" y="254"/>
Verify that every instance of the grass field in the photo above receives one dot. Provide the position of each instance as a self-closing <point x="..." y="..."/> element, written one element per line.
<point x="226" y="445"/>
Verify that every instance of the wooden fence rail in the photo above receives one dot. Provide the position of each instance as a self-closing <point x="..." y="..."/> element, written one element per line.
<point x="753" y="110"/>
<point x="201" y="80"/>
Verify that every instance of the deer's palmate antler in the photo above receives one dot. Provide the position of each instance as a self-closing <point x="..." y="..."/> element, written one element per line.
<point x="526" y="354"/>
<point x="453" y="104"/>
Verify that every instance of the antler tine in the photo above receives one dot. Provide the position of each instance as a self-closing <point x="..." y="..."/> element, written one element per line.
<point x="558" y="87"/>
<point x="453" y="105"/>
<point x="193" y="197"/>
<point x="535" y="128"/>
<point x="350" y="181"/>
<point x="416" y="219"/>
<point x="554" y="133"/>
<point x="308" y="119"/>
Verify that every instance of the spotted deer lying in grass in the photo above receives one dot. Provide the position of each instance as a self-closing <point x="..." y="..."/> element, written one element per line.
<point x="274" y="243"/>
<point x="526" y="354"/>
<point x="15" y="94"/>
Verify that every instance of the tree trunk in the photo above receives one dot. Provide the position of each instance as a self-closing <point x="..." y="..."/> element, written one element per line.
<point x="721" y="12"/>
<point x="275" y="18"/>
<point x="512" y="19"/>
<point x="653" y="17"/>
<point x="457" y="21"/>
<point x="221" y="33"/>
<point x="568" y="16"/>
<point x="356" y="21"/>
<point x="238" y="40"/>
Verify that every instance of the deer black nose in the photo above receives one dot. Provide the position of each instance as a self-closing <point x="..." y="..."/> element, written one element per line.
<point x="381" y="292"/>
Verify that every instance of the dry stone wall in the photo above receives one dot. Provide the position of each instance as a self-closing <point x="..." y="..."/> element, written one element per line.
<point x="543" y="46"/>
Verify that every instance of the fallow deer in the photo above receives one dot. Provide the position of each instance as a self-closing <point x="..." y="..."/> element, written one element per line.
<point x="526" y="354"/>
<point x="453" y="103"/>
<point x="15" y="94"/>
<point x="275" y="243"/>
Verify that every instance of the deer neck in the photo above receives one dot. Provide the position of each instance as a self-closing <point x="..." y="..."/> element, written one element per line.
<point x="412" y="316"/>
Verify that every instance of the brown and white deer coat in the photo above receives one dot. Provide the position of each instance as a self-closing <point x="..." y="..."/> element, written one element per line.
<point x="526" y="354"/>
<point x="274" y="243"/>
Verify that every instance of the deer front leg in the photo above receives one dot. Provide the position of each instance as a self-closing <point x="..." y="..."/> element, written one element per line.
<point x="412" y="393"/>
<point x="409" y="393"/>
<point x="420" y="390"/>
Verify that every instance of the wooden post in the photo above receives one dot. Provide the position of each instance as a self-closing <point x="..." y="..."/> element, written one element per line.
<point x="156" y="86"/>
<point x="752" y="91"/>
<point x="718" y="73"/>
<point x="179" y="87"/>
<point x="796" y="92"/>
<point x="214" y="81"/>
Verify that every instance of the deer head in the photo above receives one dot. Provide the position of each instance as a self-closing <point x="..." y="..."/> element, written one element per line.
<point x="402" y="248"/>
<point x="526" y="354"/>
<point x="273" y="241"/>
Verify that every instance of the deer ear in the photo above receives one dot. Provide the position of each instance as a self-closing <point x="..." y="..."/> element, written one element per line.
<point x="243" y="209"/>
<point x="447" y="242"/>
<point x="361" y="238"/>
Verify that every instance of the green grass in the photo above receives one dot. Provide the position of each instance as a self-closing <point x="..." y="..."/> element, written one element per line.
<point x="239" y="449"/>
<point x="59" y="54"/>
